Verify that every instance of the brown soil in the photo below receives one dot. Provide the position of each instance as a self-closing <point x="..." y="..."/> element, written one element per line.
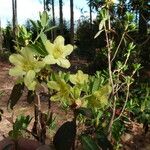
<point x="135" y="140"/>
<point x="22" y="107"/>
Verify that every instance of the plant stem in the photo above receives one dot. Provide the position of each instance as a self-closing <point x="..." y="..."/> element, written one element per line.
<point x="118" y="47"/>
<point x="110" y="74"/>
<point x="38" y="35"/>
<point x="124" y="106"/>
<point x="37" y="125"/>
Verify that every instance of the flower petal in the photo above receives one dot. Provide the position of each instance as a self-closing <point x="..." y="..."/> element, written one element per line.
<point x="79" y="78"/>
<point x="63" y="62"/>
<point x="67" y="50"/>
<point x="73" y="78"/>
<point x="27" y="53"/>
<point x="59" y="40"/>
<point x="16" y="59"/>
<point x="16" y="71"/>
<point x="38" y="66"/>
<point x="49" y="47"/>
<point x="29" y="80"/>
<point x="49" y="59"/>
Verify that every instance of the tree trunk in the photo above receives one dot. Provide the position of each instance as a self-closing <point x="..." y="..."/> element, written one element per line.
<point x="143" y="16"/>
<point x="71" y="23"/>
<point x="90" y="6"/>
<point x="1" y="38"/>
<point x="14" y="18"/>
<point x="143" y="33"/>
<point x="44" y="4"/>
<point x="54" y="22"/>
<point x="61" y="16"/>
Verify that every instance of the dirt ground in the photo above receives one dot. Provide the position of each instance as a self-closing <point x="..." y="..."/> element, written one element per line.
<point x="132" y="141"/>
<point x="6" y="84"/>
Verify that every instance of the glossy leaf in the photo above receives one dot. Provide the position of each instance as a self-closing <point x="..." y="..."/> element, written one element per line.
<point x="38" y="48"/>
<point x="98" y="33"/>
<point x="43" y="37"/>
<point x="50" y="28"/>
<point x="76" y="92"/>
<point x="44" y="19"/>
<point x="88" y="143"/>
<point x="96" y="85"/>
<point x="65" y="136"/>
<point x="1" y="112"/>
<point x="34" y="24"/>
<point x="103" y="142"/>
<point x="16" y="93"/>
<point x="53" y="85"/>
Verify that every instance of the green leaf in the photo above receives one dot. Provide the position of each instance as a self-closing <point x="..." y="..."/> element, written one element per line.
<point x="43" y="37"/>
<point x="98" y="33"/>
<point x="50" y="28"/>
<point x="20" y="125"/>
<point x="34" y="24"/>
<point x="39" y="25"/>
<point x="129" y="16"/>
<point x="53" y="85"/>
<point x="89" y="143"/>
<point x="117" y="129"/>
<point x="38" y="48"/>
<point x="16" y="93"/>
<point x="103" y="142"/>
<point x="99" y="115"/>
<point x="85" y="112"/>
<point x="65" y="136"/>
<point x="76" y="92"/>
<point x="44" y="19"/>
<point x="66" y="77"/>
<point x="101" y="25"/>
<point x="96" y="85"/>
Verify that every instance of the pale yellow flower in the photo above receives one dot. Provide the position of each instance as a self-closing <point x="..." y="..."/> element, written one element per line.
<point x="58" y="52"/>
<point x="26" y="67"/>
<point x="79" y="78"/>
<point x="111" y="1"/>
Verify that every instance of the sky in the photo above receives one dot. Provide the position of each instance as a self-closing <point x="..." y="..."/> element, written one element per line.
<point x="31" y="8"/>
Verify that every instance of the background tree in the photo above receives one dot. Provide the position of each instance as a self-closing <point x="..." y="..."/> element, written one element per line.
<point x="71" y="23"/>
<point x="121" y="8"/>
<point x="90" y="3"/>
<point x="14" y="17"/>
<point x="143" y="18"/>
<point x="142" y="11"/>
<point x="53" y="16"/>
<point x="1" y="38"/>
<point x="44" y="4"/>
<point x="61" y="24"/>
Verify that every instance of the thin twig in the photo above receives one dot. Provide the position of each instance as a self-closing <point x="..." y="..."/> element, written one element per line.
<point x="124" y="106"/>
<point x="118" y="47"/>
<point x="110" y="75"/>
